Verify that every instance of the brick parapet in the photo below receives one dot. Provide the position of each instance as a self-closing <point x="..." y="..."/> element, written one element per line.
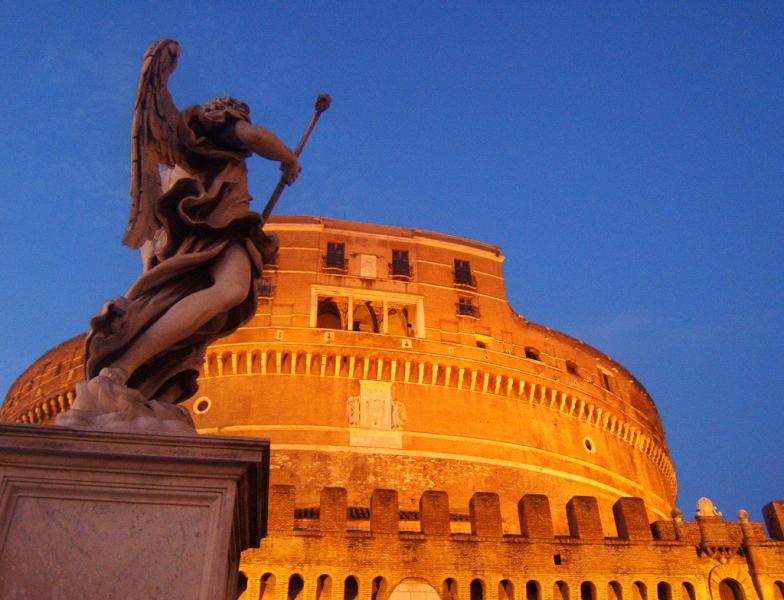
<point x="535" y="520"/>
<point x="627" y="561"/>
<point x="773" y="512"/>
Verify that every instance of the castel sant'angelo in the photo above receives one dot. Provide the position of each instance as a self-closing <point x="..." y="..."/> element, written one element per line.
<point x="430" y="442"/>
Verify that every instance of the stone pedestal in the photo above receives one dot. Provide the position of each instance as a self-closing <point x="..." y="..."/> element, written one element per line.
<point x="97" y="515"/>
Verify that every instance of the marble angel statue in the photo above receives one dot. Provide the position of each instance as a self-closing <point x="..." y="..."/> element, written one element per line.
<point x="202" y="249"/>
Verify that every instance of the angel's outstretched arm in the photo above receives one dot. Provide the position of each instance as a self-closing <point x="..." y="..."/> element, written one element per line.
<point x="267" y="145"/>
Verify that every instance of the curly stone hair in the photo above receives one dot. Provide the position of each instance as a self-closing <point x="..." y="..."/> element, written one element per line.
<point x="223" y="102"/>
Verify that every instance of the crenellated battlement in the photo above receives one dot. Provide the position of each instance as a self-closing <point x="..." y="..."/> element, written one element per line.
<point x="711" y="534"/>
<point x="461" y="554"/>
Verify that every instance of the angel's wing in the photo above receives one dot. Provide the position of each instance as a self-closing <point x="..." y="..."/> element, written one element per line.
<point x="153" y="139"/>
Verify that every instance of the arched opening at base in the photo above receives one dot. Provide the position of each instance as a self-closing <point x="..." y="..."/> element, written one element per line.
<point x="267" y="587"/>
<point x="324" y="587"/>
<point x="614" y="591"/>
<point x="639" y="591"/>
<point x="414" y="589"/>
<point x="296" y="585"/>
<point x="560" y="590"/>
<point x="778" y="590"/>
<point x="328" y="316"/>
<point x="242" y="585"/>
<point x="378" y="590"/>
<point x="729" y="589"/>
<point x="533" y="591"/>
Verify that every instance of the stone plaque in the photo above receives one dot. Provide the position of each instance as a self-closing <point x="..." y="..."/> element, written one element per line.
<point x="367" y="266"/>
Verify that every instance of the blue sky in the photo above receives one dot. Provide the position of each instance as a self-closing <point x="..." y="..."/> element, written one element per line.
<point x="628" y="157"/>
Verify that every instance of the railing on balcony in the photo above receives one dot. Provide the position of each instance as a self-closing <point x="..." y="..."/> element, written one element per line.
<point x="464" y="279"/>
<point x="264" y="288"/>
<point x="335" y="263"/>
<point x="467" y="308"/>
<point x="400" y="270"/>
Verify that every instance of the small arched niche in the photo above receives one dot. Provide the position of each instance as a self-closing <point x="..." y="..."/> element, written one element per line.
<point x="663" y="591"/>
<point x="689" y="593"/>
<point x="350" y="588"/>
<point x="242" y="586"/>
<point x="587" y="591"/>
<point x="560" y="590"/>
<point x="267" y="587"/>
<point x="729" y="589"/>
<point x="378" y="589"/>
<point x="614" y="591"/>
<point x="506" y="590"/>
<point x="778" y="590"/>
<point x="639" y="591"/>
<point x="296" y="586"/>
<point x="477" y="590"/>
<point x="324" y="587"/>
<point x="533" y="591"/>
<point x="449" y="589"/>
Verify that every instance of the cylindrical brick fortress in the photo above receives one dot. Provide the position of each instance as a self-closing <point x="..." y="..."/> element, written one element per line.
<point x="386" y="357"/>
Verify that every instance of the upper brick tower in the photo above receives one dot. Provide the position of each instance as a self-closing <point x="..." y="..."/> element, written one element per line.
<point x="387" y="357"/>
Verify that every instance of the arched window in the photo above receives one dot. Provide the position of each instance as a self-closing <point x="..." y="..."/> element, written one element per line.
<point x="729" y="589"/>
<point x="663" y="591"/>
<point x="267" y="587"/>
<point x="350" y="588"/>
<point x="688" y="591"/>
<point x="506" y="590"/>
<point x="365" y="318"/>
<point x="378" y="590"/>
<point x="324" y="587"/>
<point x="532" y="353"/>
<point x="778" y="590"/>
<point x="614" y="591"/>
<point x="449" y="589"/>
<point x="328" y="315"/>
<point x="477" y="590"/>
<point x="397" y="322"/>
<point x="639" y="591"/>
<point x="296" y="585"/>
<point x="587" y="591"/>
<point x="560" y="591"/>
<point x="533" y="591"/>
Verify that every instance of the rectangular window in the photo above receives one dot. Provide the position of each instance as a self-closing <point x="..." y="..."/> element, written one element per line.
<point x="466" y="306"/>
<point x="606" y="381"/>
<point x="463" y="273"/>
<point x="400" y="266"/>
<point x="336" y="255"/>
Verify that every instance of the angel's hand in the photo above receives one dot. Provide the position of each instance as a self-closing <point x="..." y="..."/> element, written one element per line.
<point x="291" y="169"/>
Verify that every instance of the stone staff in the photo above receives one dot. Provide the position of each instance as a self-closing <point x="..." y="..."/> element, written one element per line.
<point x="322" y="103"/>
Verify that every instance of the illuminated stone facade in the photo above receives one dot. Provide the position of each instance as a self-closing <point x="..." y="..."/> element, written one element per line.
<point x="385" y="358"/>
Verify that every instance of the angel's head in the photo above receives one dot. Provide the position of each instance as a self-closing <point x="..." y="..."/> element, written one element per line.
<point x="226" y="102"/>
